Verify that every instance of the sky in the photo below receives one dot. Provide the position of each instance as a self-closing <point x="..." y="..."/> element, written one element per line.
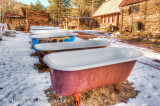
<point x="43" y="2"/>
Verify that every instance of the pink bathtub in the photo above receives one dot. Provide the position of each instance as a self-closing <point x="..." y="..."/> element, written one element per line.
<point x="74" y="72"/>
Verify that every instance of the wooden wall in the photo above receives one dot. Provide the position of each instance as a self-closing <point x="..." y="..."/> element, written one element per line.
<point x="15" y="23"/>
<point x="112" y="19"/>
<point x="36" y="18"/>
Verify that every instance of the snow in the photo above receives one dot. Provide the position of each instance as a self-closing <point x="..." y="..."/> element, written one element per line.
<point x="70" y="45"/>
<point x="48" y="35"/>
<point x="90" y="58"/>
<point x="44" y="28"/>
<point x="21" y="84"/>
<point x="47" y="31"/>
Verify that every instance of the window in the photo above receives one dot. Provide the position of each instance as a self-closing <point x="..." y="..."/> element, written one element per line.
<point x="106" y="19"/>
<point x="114" y="19"/>
<point x="134" y="9"/>
<point x="103" y="20"/>
<point x="110" y="21"/>
<point x="137" y="9"/>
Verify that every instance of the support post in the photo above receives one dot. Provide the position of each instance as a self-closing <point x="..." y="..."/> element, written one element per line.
<point x="116" y="87"/>
<point x="77" y="99"/>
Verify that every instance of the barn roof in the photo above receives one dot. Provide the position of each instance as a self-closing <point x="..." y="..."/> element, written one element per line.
<point x="12" y="15"/>
<point x="129" y="2"/>
<point x="108" y="7"/>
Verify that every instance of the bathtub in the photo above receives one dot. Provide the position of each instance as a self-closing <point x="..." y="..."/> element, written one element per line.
<point x="74" y="72"/>
<point x="35" y="38"/>
<point x="48" y="31"/>
<point x="46" y="48"/>
<point x="44" y="28"/>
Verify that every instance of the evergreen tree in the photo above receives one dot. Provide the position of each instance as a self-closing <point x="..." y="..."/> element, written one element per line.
<point x="85" y="7"/>
<point x="59" y="8"/>
<point x="38" y="6"/>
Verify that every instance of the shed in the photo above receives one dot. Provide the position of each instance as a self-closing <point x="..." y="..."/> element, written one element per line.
<point x="77" y="22"/>
<point x="15" y="21"/>
<point x="29" y="18"/>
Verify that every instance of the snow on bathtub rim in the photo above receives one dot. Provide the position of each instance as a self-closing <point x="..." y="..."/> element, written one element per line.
<point x="92" y="58"/>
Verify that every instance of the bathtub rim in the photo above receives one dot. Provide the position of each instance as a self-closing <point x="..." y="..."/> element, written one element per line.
<point x="51" y="35"/>
<point x="83" y="67"/>
<point x="99" y="43"/>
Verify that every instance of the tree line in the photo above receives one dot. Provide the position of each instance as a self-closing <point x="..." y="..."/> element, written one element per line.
<point x="57" y="8"/>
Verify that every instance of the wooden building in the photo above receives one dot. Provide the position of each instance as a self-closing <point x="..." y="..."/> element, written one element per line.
<point x="76" y="22"/>
<point x="109" y="13"/>
<point x="141" y="15"/>
<point x="35" y="18"/>
<point x="15" y="21"/>
<point x="29" y="18"/>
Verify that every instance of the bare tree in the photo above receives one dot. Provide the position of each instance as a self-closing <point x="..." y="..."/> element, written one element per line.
<point x="5" y="5"/>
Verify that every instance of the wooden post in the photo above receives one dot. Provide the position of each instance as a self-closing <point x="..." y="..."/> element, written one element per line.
<point x="78" y="23"/>
<point x="27" y="25"/>
<point x="121" y="21"/>
<point x="117" y="21"/>
<point x="66" y="23"/>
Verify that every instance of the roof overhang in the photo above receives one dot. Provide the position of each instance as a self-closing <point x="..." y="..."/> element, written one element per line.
<point x="107" y="14"/>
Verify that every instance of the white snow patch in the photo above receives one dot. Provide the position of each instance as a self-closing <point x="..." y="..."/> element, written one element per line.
<point x="20" y="82"/>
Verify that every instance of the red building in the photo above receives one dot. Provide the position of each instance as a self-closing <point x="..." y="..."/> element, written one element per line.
<point x="109" y="13"/>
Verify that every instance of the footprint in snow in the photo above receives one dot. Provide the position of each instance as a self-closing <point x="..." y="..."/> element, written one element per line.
<point x="145" y="105"/>
<point x="157" y="94"/>
<point x="147" y="96"/>
<point x="141" y="86"/>
<point x="155" y="87"/>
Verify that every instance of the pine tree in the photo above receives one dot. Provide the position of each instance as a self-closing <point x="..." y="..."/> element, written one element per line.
<point x="85" y="7"/>
<point x="38" y="6"/>
<point x="59" y="8"/>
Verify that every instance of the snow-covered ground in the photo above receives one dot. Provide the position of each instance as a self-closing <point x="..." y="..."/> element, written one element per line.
<point x="21" y="84"/>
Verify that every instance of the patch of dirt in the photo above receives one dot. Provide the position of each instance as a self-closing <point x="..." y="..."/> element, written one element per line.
<point x="153" y="66"/>
<point x="41" y="69"/>
<point x="86" y="36"/>
<point x="148" y="46"/>
<point x="102" y="96"/>
<point x="34" y="54"/>
<point x="158" y="61"/>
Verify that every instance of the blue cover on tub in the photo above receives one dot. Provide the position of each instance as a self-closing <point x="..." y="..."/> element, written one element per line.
<point x="72" y="38"/>
<point x="35" y="41"/>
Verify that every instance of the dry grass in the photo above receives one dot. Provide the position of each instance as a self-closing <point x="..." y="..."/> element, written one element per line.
<point x="102" y="96"/>
<point x="41" y="69"/>
<point x="141" y="39"/>
<point x="86" y="36"/>
<point x="34" y="54"/>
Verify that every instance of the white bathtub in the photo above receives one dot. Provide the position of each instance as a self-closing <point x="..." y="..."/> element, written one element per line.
<point x="60" y="34"/>
<point x="70" y="45"/>
<point x="44" y="28"/>
<point x="85" y="59"/>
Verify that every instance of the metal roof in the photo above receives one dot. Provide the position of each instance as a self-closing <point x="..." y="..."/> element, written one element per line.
<point x="108" y="7"/>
